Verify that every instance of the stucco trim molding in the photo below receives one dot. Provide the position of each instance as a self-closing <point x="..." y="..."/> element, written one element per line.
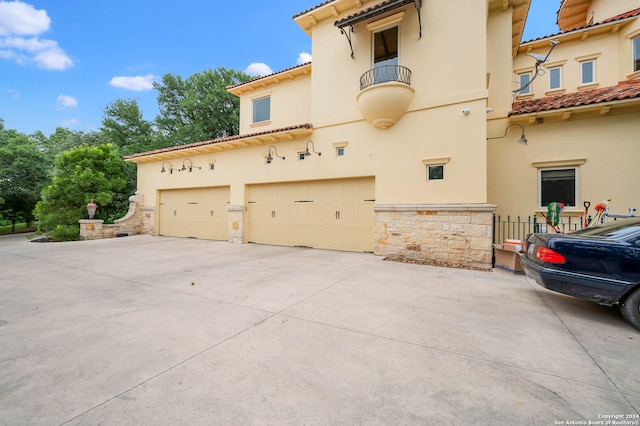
<point x="435" y="161"/>
<point x="559" y="163"/>
<point x="435" y="207"/>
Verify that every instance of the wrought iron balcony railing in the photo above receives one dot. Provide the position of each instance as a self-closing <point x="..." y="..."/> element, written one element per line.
<point x="385" y="74"/>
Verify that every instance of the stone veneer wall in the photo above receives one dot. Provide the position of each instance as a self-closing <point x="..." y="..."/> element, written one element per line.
<point x="452" y="235"/>
<point x="235" y="218"/>
<point x="138" y="220"/>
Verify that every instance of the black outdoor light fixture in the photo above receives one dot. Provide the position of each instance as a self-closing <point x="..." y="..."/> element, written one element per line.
<point x="269" y="157"/>
<point x="171" y="169"/>
<point x="190" y="167"/>
<point x="313" y="148"/>
<point x="523" y="138"/>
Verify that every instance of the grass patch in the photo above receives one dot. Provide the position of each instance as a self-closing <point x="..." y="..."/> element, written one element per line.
<point x="20" y="228"/>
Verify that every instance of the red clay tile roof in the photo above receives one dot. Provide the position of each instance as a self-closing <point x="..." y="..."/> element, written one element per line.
<point x="313" y="8"/>
<point x="215" y="141"/>
<point x="268" y="75"/>
<point x="379" y="6"/>
<point x="624" y="90"/>
<point x="626" y="15"/>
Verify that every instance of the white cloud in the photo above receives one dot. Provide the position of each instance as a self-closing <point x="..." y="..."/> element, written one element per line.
<point x="258" y="69"/>
<point x="66" y="101"/>
<point x="32" y="45"/>
<point x="21" y="18"/>
<point x="136" y="83"/>
<point x="53" y="59"/>
<point x="303" y="58"/>
<point x="69" y="123"/>
<point x="7" y="54"/>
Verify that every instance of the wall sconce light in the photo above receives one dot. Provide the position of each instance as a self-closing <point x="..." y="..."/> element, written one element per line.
<point x="171" y="169"/>
<point x="523" y="138"/>
<point x="313" y="148"/>
<point x="269" y="157"/>
<point x="190" y="167"/>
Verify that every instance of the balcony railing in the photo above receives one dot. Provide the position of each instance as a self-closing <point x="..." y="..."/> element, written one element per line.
<point x="385" y="74"/>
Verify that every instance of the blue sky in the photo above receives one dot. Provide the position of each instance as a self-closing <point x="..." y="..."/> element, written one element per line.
<point x="62" y="62"/>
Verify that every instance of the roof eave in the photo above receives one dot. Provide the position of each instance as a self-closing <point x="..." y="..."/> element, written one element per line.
<point x="603" y="108"/>
<point x="224" y="144"/>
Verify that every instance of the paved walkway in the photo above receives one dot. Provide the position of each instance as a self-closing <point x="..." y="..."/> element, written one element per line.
<point x="154" y="330"/>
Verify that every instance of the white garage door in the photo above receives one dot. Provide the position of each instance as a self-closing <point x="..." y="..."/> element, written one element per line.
<point x="331" y="214"/>
<point x="194" y="213"/>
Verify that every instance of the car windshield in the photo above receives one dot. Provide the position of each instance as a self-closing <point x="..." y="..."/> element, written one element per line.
<point x="615" y="230"/>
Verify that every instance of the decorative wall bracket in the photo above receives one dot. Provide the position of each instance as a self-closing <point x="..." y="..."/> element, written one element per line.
<point x="373" y="12"/>
<point x="347" y="33"/>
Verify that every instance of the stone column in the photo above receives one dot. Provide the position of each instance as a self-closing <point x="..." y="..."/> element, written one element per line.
<point x="91" y="229"/>
<point x="235" y="228"/>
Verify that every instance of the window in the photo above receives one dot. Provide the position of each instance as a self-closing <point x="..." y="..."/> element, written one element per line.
<point x="262" y="109"/>
<point x="385" y="55"/>
<point x="558" y="185"/>
<point x="435" y="172"/>
<point x="636" y="54"/>
<point x="301" y="156"/>
<point x="212" y="167"/>
<point x="340" y="148"/>
<point x="525" y="83"/>
<point x="555" y="78"/>
<point x="587" y="72"/>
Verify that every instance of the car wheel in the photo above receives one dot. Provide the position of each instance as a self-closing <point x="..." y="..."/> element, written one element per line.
<point x="630" y="308"/>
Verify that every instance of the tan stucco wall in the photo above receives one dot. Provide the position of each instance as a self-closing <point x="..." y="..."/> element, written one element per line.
<point x="499" y="63"/>
<point x="608" y="144"/>
<point x="611" y="51"/>
<point x="289" y="105"/>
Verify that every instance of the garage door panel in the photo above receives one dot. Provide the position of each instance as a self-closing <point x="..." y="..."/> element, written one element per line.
<point x="336" y="214"/>
<point x="195" y="213"/>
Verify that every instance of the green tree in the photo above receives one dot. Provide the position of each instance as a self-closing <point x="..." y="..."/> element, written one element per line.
<point x="82" y="174"/>
<point x="64" y="139"/>
<point x="24" y="171"/>
<point x="198" y="108"/>
<point x="125" y="127"/>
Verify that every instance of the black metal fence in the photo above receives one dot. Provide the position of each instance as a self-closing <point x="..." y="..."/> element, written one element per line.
<point x="517" y="228"/>
<point x="384" y="74"/>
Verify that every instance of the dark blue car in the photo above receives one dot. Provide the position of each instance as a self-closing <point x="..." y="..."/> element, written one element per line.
<point x="600" y="264"/>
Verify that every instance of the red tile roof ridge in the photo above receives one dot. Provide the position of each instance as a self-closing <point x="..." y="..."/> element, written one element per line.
<point x="625" y="82"/>
<point x="216" y="141"/>
<point x="363" y="11"/>
<point x="312" y="8"/>
<point x="628" y="89"/>
<point x="268" y="75"/>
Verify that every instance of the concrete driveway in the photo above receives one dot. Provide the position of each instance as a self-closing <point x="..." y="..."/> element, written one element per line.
<point x="155" y="330"/>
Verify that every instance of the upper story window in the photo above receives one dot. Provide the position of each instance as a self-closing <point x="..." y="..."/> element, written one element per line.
<point x="588" y="72"/>
<point x="385" y="55"/>
<point x="262" y="109"/>
<point x="555" y="78"/>
<point x="636" y="54"/>
<point x="524" y="80"/>
<point x="385" y="47"/>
